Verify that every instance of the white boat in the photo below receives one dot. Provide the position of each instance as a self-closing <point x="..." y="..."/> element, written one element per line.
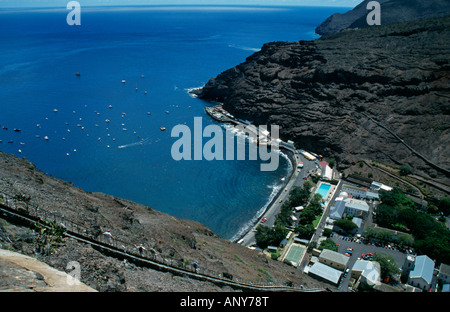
<point x="46" y="138"/>
<point x="123" y="81"/>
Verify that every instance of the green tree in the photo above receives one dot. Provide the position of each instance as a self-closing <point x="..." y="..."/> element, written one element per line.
<point x="405" y="170"/>
<point x="387" y="264"/>
<point x="332" y="162"/>
<point x="444" y="205"/>
<point x="266" y="236"/>
<point x="327" y="232"/>
<point x="307" y="216"/>
<point x="328" y="244"/>
<point x="346" y="225"/>
<point x="305" y="231"/>
<point x="430" y="236"/>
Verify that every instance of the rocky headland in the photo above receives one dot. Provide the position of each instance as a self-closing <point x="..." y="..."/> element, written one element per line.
<point x="373" y="94"/>
<point x="391" y="12"/>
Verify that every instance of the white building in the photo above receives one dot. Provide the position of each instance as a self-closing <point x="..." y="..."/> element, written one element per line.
<point x="354" y="190"/>
<point x="367" y="271"/>
<point x="327" y="173"/>
<point x="376" y="186"/>
<point x="360" y="192"/>
<point x="356" y="207"/>
<point x="333" y="259"/>
<point x="422" y="274"/>
<point x="325" y="272"/>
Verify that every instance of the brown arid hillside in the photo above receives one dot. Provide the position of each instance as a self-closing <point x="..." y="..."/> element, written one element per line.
<point x="375" y="94"/>
<point x="180" y="241"/>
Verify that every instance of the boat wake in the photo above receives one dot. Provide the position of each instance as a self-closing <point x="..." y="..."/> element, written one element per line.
<point x="142" y="142"/>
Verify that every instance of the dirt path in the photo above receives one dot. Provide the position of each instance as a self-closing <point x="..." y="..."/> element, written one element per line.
<point x="29" y="274"/>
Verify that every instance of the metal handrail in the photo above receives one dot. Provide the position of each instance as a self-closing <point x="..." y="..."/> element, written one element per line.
<point x="77" y="231"/>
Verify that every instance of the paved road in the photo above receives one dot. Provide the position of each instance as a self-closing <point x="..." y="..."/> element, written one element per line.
<point x="274" y="209"/>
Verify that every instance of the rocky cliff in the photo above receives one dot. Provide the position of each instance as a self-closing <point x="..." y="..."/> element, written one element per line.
<point x="392" y="11"/>
<point x="376" y="94"/>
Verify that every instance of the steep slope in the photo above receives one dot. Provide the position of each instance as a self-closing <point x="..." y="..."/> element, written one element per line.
<point x="392" y="11"/>
<point x="328" y="95"/>
<point x="179" y="240"/>
<point x="339" y="21"/>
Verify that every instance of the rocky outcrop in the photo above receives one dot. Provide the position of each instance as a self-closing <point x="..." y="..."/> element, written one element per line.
<point x="339" y="95"/>
<point x="20" y="273"/>
<point x="392" y="12"/>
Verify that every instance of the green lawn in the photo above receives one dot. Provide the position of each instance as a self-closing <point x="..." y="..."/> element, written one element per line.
<point x="316" y="220"/>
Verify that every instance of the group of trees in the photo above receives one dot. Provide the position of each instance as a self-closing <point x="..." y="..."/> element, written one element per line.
<point x="305" y="227"/>
<point x="346" y="224"/>
<point x="266" y="236"/>
<point x="399" y="212"/>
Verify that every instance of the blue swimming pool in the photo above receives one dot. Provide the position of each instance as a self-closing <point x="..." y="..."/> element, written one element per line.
<point x="323" y="190"/>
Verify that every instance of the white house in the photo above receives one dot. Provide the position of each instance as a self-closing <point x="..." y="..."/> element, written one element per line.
<point x="333" y="259"/>
<point x="367" y="271"/>
<point x="325" y="272"/>
<point x="356" y="207"/>
<point x="422" y="274"/>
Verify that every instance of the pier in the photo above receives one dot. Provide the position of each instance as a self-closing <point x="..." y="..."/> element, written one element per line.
<point x="218" y="113"/>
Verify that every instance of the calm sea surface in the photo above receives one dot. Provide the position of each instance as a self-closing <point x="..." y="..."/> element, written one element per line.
<point x="175" y="49"/>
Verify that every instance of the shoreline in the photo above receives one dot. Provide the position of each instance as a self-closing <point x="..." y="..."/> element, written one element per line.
<point x="273" y="201"/>
<point x="290" y="154"/>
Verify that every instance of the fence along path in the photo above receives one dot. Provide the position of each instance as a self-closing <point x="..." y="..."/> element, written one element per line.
<point x="20" y="209"/>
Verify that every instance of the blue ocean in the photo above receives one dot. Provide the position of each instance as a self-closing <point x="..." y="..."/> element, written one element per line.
<point x="101" y="129"/>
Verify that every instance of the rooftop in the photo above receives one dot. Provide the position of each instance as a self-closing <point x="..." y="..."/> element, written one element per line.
<point x="356" y="204"/>
<point x="423" y="268"/>
<point x="326" y="272"/>
<point x="369" y="269"/>
<point x="444" y="269"/>
<point x="334" y="257"/>
<point x="337" y="210"/>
